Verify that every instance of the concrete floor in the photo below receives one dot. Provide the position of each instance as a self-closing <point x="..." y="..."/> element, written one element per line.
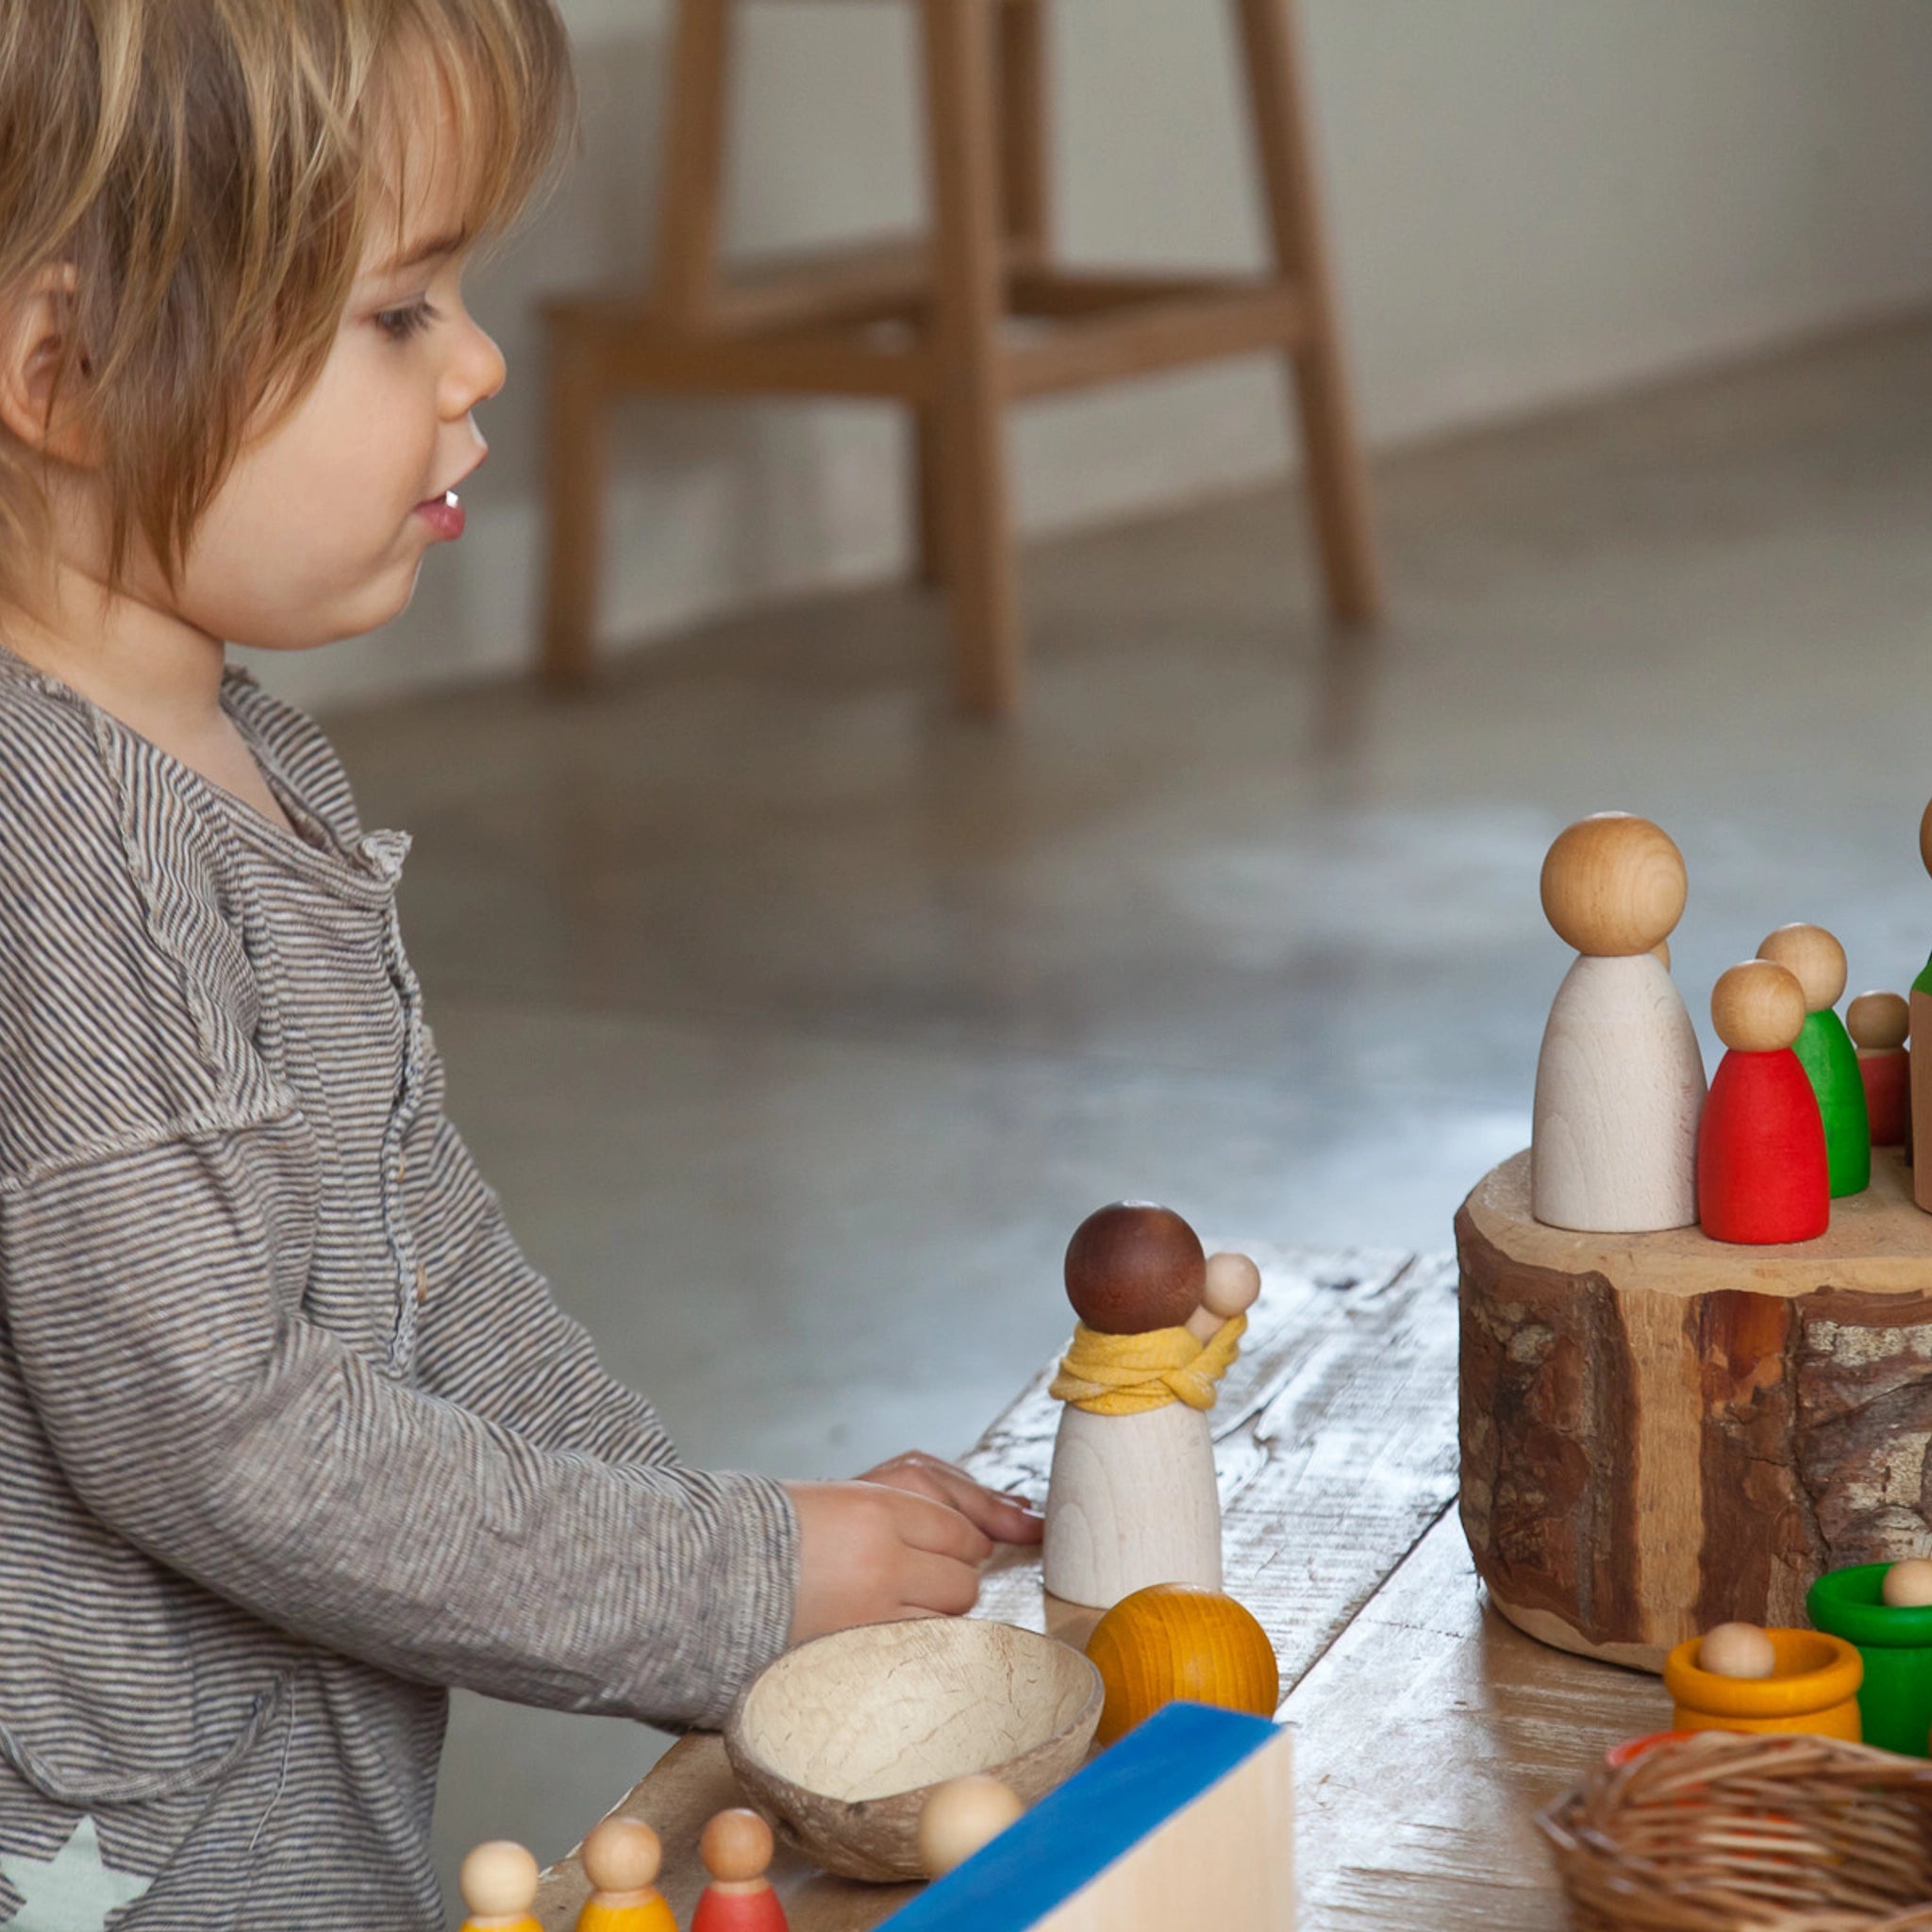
<point x="799" y="1021"/>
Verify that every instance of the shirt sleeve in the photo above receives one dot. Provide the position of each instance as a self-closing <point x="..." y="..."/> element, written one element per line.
<point x="489" y="1334"/>
<point x="157" y="1319"/>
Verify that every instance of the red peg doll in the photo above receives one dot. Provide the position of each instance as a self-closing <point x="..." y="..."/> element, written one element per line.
<point x="736" y="1848"/>
<point x="1878" y="1022"/>
<point x="1762" y="1175"/>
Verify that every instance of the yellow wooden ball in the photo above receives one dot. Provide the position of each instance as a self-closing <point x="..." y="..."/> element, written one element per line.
<point x="1175" y="1641"/>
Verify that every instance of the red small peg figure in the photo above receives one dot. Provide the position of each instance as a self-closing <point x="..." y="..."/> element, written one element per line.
<point x="498" y="1882"/>
<point x="1878" y="1023"/>
<point x="621" y="1858"/>
<point x="1762" y="1175"/>
<point x="737" y="1848"/>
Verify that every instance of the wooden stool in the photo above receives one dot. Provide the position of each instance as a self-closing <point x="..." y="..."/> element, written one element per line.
<point x="923" y="325"/>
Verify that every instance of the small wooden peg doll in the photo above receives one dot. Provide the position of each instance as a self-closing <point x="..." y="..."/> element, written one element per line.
<point x="1736" y="1650"/>
<point x="621" y="1858"/>
<point x="1826" y="1052"/>
<point x="737" y="1848"/>
<point x="1131" y="1499"/>
<point x="962" y="1817"/>
<point x="1232" y="1286"/>
<point x="1878" y="1023"/>
<point x="498" y="1881"/>
<point x="1921" y="1017"/>
<point x="1762" y="1175"/>
<point x="1619" y="1079"/>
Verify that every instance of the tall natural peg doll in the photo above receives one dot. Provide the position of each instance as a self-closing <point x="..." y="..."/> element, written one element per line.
<point x="1826" y="1052"/>
<point x="1619" y="1079"/>
<point x="292" y="1436"/>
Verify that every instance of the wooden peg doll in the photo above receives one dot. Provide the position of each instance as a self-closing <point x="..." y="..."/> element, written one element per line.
<point x="961" y="1818"/>
<point x="736" y="1849"/>
<point x="1921" y="1018"/>
<point x="498" y="1881"/>
<point x="1232" y="1286"/>
<point x="1878" y="1023"/>
<point x="1131" y="1499"/>
<point x="1826" y="1052"/>
<point x="1619" y="1079"/>
<point x="1762" y="1175"/>
<point x="621" y="1858"/>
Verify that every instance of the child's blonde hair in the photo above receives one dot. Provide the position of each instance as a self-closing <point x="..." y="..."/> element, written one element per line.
<point x="214" y="170"/>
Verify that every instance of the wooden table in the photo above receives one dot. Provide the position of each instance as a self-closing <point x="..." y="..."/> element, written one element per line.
<point x="1427" y="1730"/>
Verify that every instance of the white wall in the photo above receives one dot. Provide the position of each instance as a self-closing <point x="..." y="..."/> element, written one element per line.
<point x="1531" y="200"/>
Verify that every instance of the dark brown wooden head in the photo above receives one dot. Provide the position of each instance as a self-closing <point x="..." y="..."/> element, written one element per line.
<point x="1133" y="1267"/>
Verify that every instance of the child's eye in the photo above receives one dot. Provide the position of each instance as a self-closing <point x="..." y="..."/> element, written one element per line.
<point x="401" y="324"/>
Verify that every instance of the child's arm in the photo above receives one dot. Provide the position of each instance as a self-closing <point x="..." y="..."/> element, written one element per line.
<point x="154" y="1307"/>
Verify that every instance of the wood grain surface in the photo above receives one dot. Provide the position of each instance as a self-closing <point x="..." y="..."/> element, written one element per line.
<point x="1427" y="1731"/>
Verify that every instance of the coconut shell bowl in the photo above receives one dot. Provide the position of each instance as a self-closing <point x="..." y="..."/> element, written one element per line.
<point x="840" y="1742"/>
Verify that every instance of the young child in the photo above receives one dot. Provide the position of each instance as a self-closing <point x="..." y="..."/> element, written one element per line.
<point x="292" y="1437"/>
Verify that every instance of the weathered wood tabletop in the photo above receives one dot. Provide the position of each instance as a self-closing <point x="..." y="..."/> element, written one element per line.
<point x="1427" y="1730"/>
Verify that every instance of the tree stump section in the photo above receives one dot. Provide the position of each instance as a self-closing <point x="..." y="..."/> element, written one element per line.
<point x="1661" y="1432"/>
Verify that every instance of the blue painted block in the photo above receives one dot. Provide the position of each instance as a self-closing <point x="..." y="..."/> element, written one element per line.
<point x="1099" y="1815"/>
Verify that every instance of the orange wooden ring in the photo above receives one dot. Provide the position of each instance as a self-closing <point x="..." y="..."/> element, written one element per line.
<point x="1176" y="1640"/>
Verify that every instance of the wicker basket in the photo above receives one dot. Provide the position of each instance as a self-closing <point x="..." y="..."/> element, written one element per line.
<point x="1723" y="1831"/>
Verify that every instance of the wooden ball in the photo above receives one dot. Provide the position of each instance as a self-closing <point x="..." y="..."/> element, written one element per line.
<point x="1736" y="1650"/>
<point x="1909" y="1584"/>
<point x="622" y="1854"/>
<point x="1814" y="956"/>
<point x="959" y="1817"/>
<point x="1758" y="1006"/>
<point x="1613" y="885"/>
<point x="1879" y="1021"/>
<point x="498" y="1881"/>
<point x="1232" y="1286"/>
<point x="1133" y="1267"/>
<point x="736" y="1846"/>
<point x="1174" y="1639"/>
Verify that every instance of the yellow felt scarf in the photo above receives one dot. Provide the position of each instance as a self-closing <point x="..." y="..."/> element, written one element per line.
<point x="1126" y="1374"/>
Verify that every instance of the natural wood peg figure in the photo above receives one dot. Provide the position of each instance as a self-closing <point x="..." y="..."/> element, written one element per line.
<point x="736" y="1849"/>
<point x="621" y="1858"/>
<point x="1922" y="1034"/>
<point x="1131" y="1499"/>
<point x="498" y="1881"/>
<point x="1879" y="1024"/>
<point x="960" y="1817"/>
<point x="1232" y="1286"/>
<point x="1619" y="1079"/>
<point x="1762" y="1175"/>
<point x="1826" y="1052"/>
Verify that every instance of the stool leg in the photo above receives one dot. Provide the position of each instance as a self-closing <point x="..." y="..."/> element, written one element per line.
<point x="1024" y="142"/>
<point x="968" y="399"/>
<point x="930" y="509"/>
<point x="691" y="195"/>
<point x="1338" y="478"/>
<point x="574" y="463"/>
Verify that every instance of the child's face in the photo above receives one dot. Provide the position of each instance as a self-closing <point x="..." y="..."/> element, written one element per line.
<point x="317" y="533"/>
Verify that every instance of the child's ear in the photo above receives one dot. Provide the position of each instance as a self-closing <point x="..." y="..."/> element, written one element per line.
<point x="35" y="328"/>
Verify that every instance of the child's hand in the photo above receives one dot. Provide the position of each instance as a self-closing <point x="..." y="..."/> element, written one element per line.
<point x="869" y="1553"/>
<point x="1004" y="1516"/>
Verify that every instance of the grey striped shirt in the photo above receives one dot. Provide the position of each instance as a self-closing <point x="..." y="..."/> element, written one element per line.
<point x="292" y="1437"/>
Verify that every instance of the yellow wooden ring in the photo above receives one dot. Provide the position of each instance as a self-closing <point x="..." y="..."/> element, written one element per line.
<point x="1814" y="1673"/>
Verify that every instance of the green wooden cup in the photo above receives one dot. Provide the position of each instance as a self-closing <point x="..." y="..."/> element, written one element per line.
<point x="1896" y="1700"/>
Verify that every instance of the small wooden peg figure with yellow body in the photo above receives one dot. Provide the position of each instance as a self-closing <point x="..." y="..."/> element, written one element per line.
<point x="621" y="1858"/>
<point x="1825" y="1050"/>
<point x="1132" y="1499"/>
<point x="736" y="1849"/>
<point x="498" y="1881"/>
<point x="1762" y="1175"/>
<point x="1619" y="1079"/>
